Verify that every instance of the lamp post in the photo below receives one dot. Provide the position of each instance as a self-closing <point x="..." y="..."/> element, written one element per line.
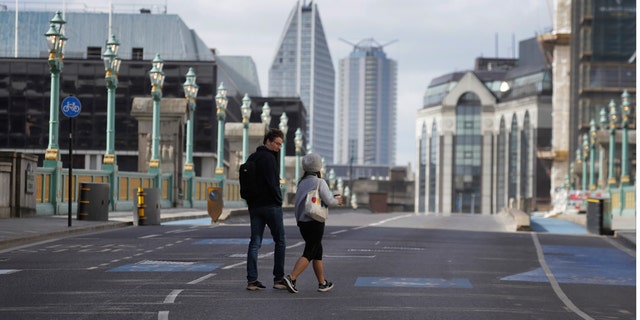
<point x="592" y="155"/>
<point x="55" y="42"/>
<point x="246" y="115"/>
<point x="265" y="116"/>
<point x="283" y="151"/>
<point x="111" y="68"/>
<point x="221" y="107"/>
<point x="190" y="93"/>
<point x="603" y="125"/>
<point x="298" y="143"/>
<point x="613" y="117"/>
<point x="624" y="162"/>
<point x="156" y="75"/>
<point x="585" y="156"/>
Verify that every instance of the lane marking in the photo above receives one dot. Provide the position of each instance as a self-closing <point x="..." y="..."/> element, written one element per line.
<point x="196" y="281"/>
<point x="339" y="231"/>
<point x="149" y="236"/>
<point x="171" y="298"/>
<point x="621" y="247"/>
<point x="163" y="315"/>
<point x="375" y="224"/>
<point x="554" y="283"/>
<point x="461" y="283"/>
<point x="8" y="271"/>
<point x="259" y="256"/>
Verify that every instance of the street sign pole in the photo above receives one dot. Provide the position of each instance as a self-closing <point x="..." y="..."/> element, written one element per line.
<point x="71" y="108"/>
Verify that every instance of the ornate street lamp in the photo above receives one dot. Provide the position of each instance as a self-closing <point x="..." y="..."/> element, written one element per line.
<point x="111" y="68"/>
<point x="592" y="154"/>
<point x="603" y="125"/>
<point x="613" y="119"/>
<point x="55" y="42"/>
<point x="624" y="162"/>
<point x="246" y="116"/>
<point x="585" y="156"/>
<point x="297" y="140"/>
<point x="221" y="105"/>
<point x="266" y="116"/>
<point x="156" y="75"/>
<point x="190" y="93"/>
<point x="283" y="151"/>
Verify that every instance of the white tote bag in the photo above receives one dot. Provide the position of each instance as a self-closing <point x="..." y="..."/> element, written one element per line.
<point x="314" y="207"/>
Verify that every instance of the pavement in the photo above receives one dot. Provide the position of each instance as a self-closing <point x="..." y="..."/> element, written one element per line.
<point x="22" y="231"/>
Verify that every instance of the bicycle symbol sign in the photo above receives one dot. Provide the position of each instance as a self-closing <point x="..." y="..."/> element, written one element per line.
<point x="71" y="106"/>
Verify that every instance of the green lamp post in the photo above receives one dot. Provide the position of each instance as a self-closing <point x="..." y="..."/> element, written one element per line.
<point x="265" y="116"/>
<point x="246" y="116"/>
<point x="283" y="126"/>
<point x="624" y="162"/>
<point x="221" y="112"/>
<point x="190" y="93"/>
<point x="592" y="155"/>
<point x="156" y="75"/>
<point x="585" y="157"/>
<point x="111" y="68"/>
<point x="603" y="126"/>
<point x="297" y="140"/>
<point x="55" y="42"/>
<point x="613" y="118"/>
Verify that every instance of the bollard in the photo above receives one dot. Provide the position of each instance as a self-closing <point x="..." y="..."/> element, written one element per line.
<point x="141" y="205"/>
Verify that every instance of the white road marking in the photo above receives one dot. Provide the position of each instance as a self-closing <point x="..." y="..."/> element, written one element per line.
<point x="171" y="298"/>
<point x="163" y="315"/>
<point x="149" y="236"/>
<point x="259" y="256"/>
<point x="202" y="279"/>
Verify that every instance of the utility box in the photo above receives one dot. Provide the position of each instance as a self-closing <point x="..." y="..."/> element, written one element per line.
<point x="146" y="209"/>
<point x="21" y="184"/>
<point x="93" y="202"/>
<point x="378" y="202"/>
<point x="598" y="219"/>
<point x="215" y="202"/>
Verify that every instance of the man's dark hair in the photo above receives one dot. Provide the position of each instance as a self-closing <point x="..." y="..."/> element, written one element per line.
<point x="272" y="135"/>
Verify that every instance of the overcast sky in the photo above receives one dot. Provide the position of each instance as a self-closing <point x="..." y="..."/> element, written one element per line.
<point x="433" y="37"/>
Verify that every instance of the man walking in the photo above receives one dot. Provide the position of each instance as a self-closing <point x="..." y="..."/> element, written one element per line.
<point x="265" y="209"/>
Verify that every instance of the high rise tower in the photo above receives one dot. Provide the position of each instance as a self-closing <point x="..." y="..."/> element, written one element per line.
<point x="366" y="120"/>
<point x="302" y="67"/>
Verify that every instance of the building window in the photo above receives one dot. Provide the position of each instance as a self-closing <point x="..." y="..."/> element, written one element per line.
<point x="137" y="54"/>
<point x="467" y="178"/>
<point x="94" y="53"/>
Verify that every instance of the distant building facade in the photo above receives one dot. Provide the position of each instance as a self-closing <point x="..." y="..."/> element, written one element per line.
<point x="478" y="133"/>
<point x="302" y="67"/>
<point x="366" y="113"/>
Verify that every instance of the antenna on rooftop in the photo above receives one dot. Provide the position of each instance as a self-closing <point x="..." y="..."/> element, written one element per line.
<point x="390" y="42"/>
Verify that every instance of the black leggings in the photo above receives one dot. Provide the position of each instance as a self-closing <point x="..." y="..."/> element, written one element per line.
<point x="312" y="232"/>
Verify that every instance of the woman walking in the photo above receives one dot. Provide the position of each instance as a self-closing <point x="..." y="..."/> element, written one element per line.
<point x="311" y="230"/>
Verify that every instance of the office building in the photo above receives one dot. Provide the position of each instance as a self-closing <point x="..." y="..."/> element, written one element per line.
<point x="478" y="133"/>
<point x="302" y="67"/>
<point x="366" y="113"/>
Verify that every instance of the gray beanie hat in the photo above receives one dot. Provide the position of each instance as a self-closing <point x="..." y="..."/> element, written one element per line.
<point x="312" y="162"/>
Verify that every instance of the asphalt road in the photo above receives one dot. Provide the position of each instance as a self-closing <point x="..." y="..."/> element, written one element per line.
<point x="387" y="266"/>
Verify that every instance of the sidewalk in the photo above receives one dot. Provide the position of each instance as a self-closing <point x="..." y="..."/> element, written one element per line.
<point x="21" y="231"/>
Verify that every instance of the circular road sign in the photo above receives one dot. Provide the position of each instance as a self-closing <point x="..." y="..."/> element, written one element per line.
<point x="71" y="106"/>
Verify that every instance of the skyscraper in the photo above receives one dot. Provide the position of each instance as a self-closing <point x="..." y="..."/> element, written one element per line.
<point x="302" y="67"/>
<point x="366" y="116"/>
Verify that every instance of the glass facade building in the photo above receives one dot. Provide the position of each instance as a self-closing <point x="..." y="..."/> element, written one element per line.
<point x="366" y="113"/>
<point x="302" y="67"/>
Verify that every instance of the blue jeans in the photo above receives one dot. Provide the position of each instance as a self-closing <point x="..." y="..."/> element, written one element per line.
<point x="261" y="217"/>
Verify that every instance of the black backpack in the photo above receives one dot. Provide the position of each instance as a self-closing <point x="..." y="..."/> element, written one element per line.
<point x="248" y="180"/>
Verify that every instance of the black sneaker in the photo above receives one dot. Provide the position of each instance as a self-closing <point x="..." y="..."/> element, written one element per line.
<point x="291" y="284"/>
<point x="280" y="284"/>
<point x="255" y="285"/>
<point x="326" y="286"/>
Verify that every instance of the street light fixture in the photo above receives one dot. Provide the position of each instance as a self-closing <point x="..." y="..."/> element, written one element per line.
<point x="283" y="126"/>
<point x="221" y="104"/>
<point x="613" y="119"/>
<point x="298" y="144"/>
<point x="156" y="75"/>
<point x="585" y="156"/>
<point x="625" y="180"/>
<point x="111" y="68"/>
<point x="190" y="93"/>
<point x="266" y="116"/>
<point x="246" y="115"/>
<point x="55" y="42"/>
<point x="592" y="154"/>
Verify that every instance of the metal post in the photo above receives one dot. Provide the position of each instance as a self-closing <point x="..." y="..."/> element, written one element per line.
<point x="283" y="151"/>
<point x="624" y="161"/>
<point x="246" y="115"/>
<point x="221" y="104"/>
<point x="111" y="67"/>
<point x="592" y="155"/>
<point x="298" y="144"/>
<point x="601" y="156"/>
<point x="585" y="156"/>
<point x="613" y="117"/>
<point x="190" y="93"/>
<point x="157" y="81"/>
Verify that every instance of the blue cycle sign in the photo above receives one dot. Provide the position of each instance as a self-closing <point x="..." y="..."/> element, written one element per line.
<point x="71" y="106"/>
